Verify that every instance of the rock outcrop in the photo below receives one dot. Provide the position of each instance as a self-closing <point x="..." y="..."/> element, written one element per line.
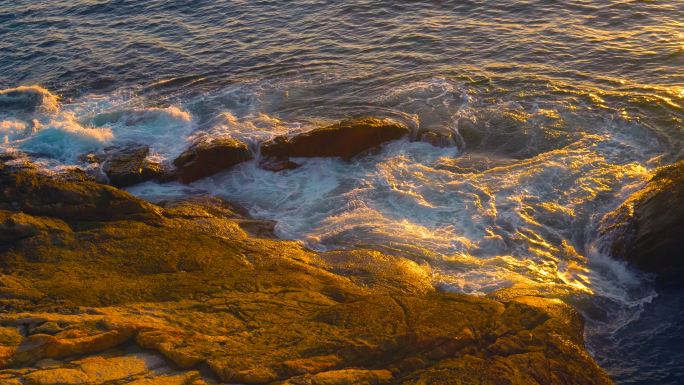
<point x="127" y="292"/>
<point x="276" y="164"/>
<point x="207" y="157"/>
<point x="648" y="229"/>
<point x="129" y="166"/>
<point x="442" y="137"/>
<point x="345" y="139"/>
<point x="41" y="196"/>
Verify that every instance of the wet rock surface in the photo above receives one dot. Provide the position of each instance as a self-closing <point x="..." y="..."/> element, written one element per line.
<point x="345" y="139"/>
<point x="277" y="164"/>
<point x="441" y="137"/>
<point x="648" y="229"/>
<point x="207" y="157"/>
<point x="40" y="195"/>
<point x="181" y="293"/>
<point x="126" y="167"/>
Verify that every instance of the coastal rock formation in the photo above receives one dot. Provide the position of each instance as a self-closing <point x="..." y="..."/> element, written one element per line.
<point x="39" y="195"/>
<point x="129" y="166"/>
<point x="276" y="164"/>
<point x="345" y="139"/>
<point x="127" y="292"/>
<point x="441" y="138"/>
<point x="207" y="157"/>
<point x="647" y="230"/>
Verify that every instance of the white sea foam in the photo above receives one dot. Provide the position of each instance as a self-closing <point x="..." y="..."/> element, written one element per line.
<point x="90" y="125"/>
<point x="12" y="130"/>
<point x="64" y="139"/>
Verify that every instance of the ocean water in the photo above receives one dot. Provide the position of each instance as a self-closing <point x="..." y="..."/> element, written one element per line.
<point x="559" y="111"/>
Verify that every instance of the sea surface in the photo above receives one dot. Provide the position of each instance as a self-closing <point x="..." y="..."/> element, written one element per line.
<point x="559" y="110"/>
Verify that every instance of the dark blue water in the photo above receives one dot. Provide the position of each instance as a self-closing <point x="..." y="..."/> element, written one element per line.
<point x="565" y="107"/>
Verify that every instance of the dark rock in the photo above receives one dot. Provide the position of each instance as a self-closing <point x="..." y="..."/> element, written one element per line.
<point x="126" y="167"/>
<point x="471" y="133"/>
<point x="39" y="195"/>
<point x="277" y="164"/>
<point x="648" y="229"/>
<point x="208" y="157"/>
<point x="439" y="139"/>
<point x="508" y="134"/>
<point x="345" y="139"/>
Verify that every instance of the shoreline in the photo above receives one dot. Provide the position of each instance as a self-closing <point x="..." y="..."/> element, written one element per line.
<point x="91" y="268"/>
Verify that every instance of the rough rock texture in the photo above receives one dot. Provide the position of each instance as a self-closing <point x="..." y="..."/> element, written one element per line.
<point x="126" y="167"/>
<point x="207" y="157"/>
<point x="345" y="139"/>
<point x="276" y="164"/>
<point x="648" y="229"/>
<point x="17" y="225"/>
<point x="76" y="174"/>
<point x="182" y="294"/>
<point x="40" y="195"/>
<point x="437" y="137"/>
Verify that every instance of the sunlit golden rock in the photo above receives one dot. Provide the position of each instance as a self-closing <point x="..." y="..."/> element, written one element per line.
<point x="186" y="283"/>
<point x="17" y="225"/>
<point x="343" y="377"/>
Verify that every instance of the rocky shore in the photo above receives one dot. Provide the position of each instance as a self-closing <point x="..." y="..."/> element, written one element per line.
<point x="647" y="230"/>
<point x="99" y="287"/>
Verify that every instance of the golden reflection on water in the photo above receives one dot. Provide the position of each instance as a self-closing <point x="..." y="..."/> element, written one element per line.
<point x="539" y="258"/>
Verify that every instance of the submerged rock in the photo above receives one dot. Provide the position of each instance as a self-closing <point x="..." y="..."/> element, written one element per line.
<point x="648" y="229"/>
<point x="196" y="290"/>
<point x="277" y="164"/>
<point x="126" y="167"/>
<point x="208" y="157"/>
<point x="345" y="139"/>
<point x="437" y="137"/>
<point x="509" y="134"/>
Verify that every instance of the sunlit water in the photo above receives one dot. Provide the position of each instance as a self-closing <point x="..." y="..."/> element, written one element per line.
<point x="560" y="110"/>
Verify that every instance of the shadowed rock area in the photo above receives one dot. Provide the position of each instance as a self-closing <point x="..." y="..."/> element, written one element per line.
<point x="207" y="157"/>
<point x="126" y="167"/>
<point x="648" y="229"/>
<point x="99" y="287"/>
